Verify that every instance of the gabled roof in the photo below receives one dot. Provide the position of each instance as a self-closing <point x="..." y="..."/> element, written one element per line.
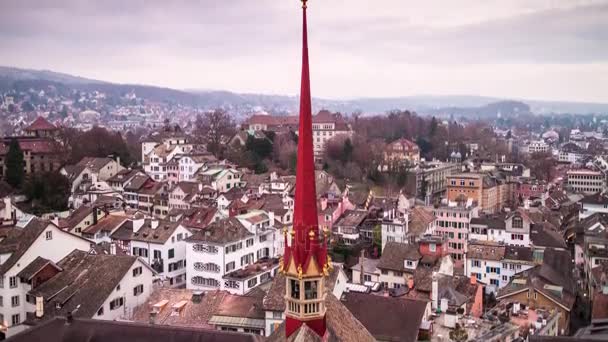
<point x="221" y="232"/>
<point x="395" y="253"/>
<point x="94" y="164"/>
<point x="542" y="235"/>
<point x="187" y="187"/>
<point x="137" y="182"/>
<point x="420" y="218"/>
<point x="78" y="215"/>
<point x="352" y="218"/>
<point x="123" y="175"/>
<point x="40" y="124"/>
<point x="371" y="311"/>
<point x="86" y="281"/>
<point x="34" y="267"/>
<point x="200" y="218"/>
<point x="160" y="234"/>
<point x="108" y="224"/>
<point x="17" y="244"/>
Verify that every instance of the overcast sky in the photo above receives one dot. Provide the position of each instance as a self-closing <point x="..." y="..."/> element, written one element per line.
<point x="555" y="50"/>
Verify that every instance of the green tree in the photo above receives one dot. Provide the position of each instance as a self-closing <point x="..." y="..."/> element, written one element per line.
<point x="47" y="192"/>
<point x="14" y="164"/>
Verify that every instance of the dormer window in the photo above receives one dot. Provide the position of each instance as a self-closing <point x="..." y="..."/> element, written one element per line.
<point x="518" y="222"/>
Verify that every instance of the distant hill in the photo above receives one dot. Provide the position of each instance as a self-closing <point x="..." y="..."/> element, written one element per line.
<point x="460" y="106"/>
<point x="18" y="74"/>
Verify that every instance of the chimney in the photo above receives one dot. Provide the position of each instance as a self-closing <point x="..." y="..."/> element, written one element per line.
<point x="137" y="224"/>
<point x="527" y="204"/>
<point x="435" y="291"/>
<point x="200" y="187"/>
<point x="95" y="216"/>
<point x="154" y="224"/>
<point x="361" y="259"/>
<point x="39" y="307"/>
<point x="113" y="248"/>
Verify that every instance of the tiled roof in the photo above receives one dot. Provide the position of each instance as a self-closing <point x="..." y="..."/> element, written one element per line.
<point x="86" y="281"/>
<point x="17" y="244"/>
<point x="241" y="306"/>
<point x="543" y="236"/>
<point x="60" y="330"/>
<point x="40" y="124"/>
<point x="194" y="314"/>
<point x="221" y="232"/>
<point x="34" y="267"/>
<point x="420" y="219"/>
<point x="494" y="222"/>
<point x="108" y="224"/>
<point x="372" y="311"/>
<point x="137" y="182"/>
<point x="160" y="234"/>
<point x="485" y="251"/>
<point x="78" y="215"/>
<point x="34" y="145"/>
<point x="394" y="254"/>
<point x="94" y="164"/>
<point x="200" y="218"/>
<point x="352" y="218"/>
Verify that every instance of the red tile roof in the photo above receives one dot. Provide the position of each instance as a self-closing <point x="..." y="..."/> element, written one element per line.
<point x="41" y="124"/>
<point x="37" y="145"/>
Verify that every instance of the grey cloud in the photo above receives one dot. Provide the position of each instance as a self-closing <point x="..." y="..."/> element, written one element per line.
<point x="136" y="38"/>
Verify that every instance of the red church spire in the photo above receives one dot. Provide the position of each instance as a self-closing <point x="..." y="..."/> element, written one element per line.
<point x="305" y="262"/>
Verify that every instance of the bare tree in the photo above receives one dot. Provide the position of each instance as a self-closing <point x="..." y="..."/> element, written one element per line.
<point x="214" y="128"/>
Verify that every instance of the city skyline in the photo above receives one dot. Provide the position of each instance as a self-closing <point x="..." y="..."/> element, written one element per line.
<point x="525" y="50"/>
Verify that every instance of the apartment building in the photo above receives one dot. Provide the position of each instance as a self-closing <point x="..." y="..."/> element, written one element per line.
<point x="325" y="126"/>
<point x="453" y="222"/>
<point x="494" y="264"/>
<point x="221" y="256"/>
<point x="491" y="193"/>
<point x="402" y="151"/>
<point x="585" y="181"/>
